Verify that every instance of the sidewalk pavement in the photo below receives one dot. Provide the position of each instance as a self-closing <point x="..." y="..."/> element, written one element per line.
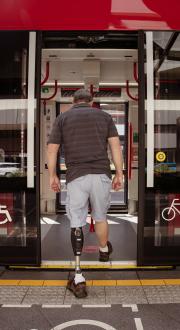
<point x="104" y="287"/>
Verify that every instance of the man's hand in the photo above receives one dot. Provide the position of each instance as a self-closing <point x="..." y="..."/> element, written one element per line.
<point x="117" y="182"/>
<point x="54" y="183"/>
<point x="117" y="158"/>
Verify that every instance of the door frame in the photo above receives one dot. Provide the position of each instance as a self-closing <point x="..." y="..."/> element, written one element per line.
<point x="141" y="147"/>
<point x="38" y="130"/>
<point x="139" y="50"/>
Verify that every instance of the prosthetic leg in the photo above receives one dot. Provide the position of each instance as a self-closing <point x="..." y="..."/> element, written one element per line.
<point x="77" y="241"/>
<point x="78" y="284"/>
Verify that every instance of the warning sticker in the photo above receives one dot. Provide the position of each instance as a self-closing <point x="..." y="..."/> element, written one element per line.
<point x="160" y="156"/>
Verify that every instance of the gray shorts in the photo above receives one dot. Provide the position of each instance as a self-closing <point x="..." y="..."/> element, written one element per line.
<point x="94" y="188"/>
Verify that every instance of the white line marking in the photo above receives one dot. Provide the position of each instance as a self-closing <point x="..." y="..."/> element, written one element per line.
<point x="56" y="306"/>
<point x="49" y="221"/>
<point x="128" y="219"/>
<point x="138" y="324"/>
<point x="96" y="306"/>
<point x="132" y="306"/>
<point x="17" y="306"/>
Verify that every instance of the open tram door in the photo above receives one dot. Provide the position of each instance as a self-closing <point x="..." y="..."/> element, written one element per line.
<point x="107" y="63"/>
<point x="159" y="156"/>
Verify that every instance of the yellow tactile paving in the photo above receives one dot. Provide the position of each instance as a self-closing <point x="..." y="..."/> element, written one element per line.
<point x="128" y="283"/>
<point x="104" y="282"/>
<point x="152" y="282"/>
<point x="31" y="282"/>
<point x="143" y="282"/>
<point x="172" y="281"/>
<point x="55" y="283"/>
<point x="9" y="282"/>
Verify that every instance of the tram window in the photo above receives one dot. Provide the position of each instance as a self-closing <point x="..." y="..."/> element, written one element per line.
<point x="13" y="64"/>
<point x="13" y="142"/>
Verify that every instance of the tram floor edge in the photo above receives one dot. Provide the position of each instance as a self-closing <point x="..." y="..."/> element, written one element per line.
<point x="91" y="267"/>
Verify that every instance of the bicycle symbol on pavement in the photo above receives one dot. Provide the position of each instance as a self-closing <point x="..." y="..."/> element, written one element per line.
<point x="71" y="324"/>
<point x="99" y="324"/>
<point x="3" y="210"/>
<point x="169" y="213"/>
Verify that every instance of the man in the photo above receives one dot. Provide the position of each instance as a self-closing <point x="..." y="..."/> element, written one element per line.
<point x="85" y="133"/>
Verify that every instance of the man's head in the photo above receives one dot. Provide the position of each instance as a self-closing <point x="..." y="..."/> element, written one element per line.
<point x="82" y="96"/>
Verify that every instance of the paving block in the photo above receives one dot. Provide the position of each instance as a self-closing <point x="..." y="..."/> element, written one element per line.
<point x="40" y="300"/>
<point x="158" y="294"/>
<point x="122" y="295"/>
<point x="11" y="300"/>
<point x="96" y="295"/>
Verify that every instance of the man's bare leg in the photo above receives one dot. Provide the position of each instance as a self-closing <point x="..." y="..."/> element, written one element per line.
<point x="102" y="231"/>
<point x="105" y="247"/>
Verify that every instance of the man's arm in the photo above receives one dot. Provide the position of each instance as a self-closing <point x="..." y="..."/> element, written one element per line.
<point x="52" y="151"/>
<point x="117" y="158"/>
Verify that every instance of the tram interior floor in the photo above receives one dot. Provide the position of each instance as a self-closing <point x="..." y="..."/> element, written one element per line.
<point x="56" y="244"/>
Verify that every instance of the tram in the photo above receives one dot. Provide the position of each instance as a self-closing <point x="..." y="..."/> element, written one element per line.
<point x="128" y="55"/>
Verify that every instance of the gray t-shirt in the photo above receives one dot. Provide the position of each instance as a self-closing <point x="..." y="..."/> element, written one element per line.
<point x="84" y="131"/>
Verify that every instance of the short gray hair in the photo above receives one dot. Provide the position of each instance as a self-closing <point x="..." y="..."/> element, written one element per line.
<point x="82" y="95"/>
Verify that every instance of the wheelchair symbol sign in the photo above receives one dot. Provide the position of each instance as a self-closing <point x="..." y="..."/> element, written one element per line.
<point x="5" y="212"/>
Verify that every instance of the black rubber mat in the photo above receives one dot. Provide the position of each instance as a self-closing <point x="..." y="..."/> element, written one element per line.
<point x="56" y="243"/>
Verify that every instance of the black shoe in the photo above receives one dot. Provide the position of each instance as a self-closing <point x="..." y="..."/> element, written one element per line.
<point x="79" y="289"/>
<point x="104" y="256"/>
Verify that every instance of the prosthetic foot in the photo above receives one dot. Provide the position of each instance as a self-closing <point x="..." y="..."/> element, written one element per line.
<point x="78" y="284"/>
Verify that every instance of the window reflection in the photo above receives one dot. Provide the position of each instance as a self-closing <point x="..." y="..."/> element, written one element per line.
<point x="14" y="227"/>
<point x="13" y="141"/>
<point x="167" y="219"/>
<point x="167" y="86"/>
